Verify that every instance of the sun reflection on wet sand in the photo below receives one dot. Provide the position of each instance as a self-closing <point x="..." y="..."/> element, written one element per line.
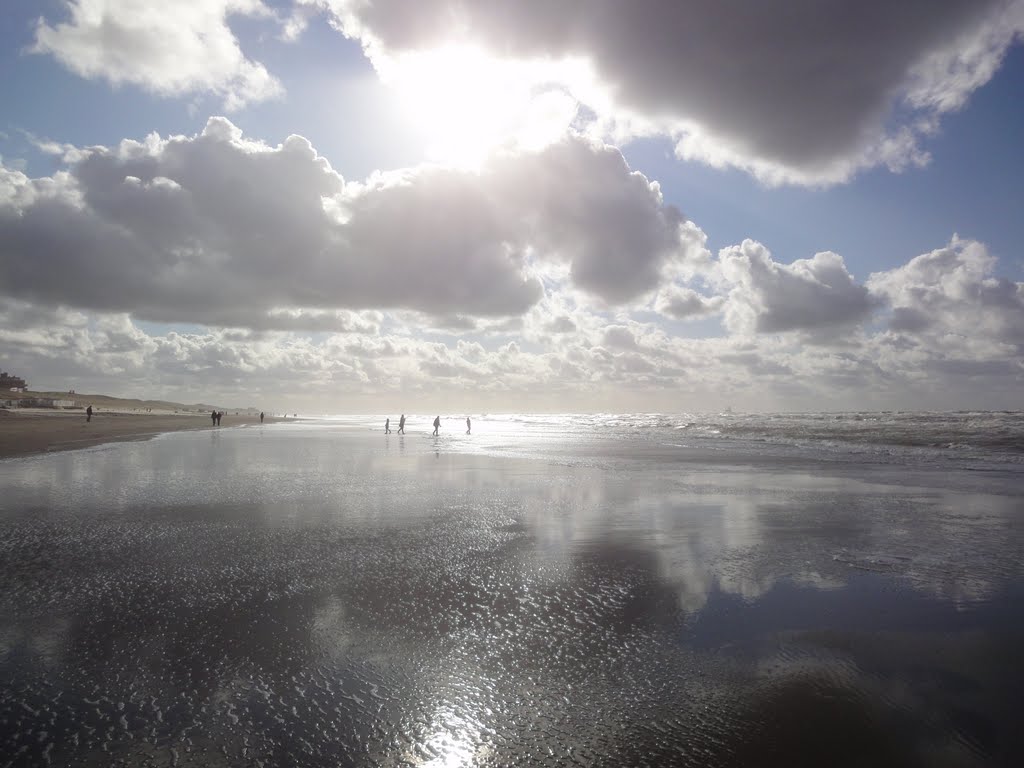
<point x="315" y="599"/>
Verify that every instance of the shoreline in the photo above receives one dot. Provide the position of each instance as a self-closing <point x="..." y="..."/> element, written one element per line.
<point x="30" y="434"/>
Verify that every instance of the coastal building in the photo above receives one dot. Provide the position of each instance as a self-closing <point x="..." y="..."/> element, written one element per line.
<point x="12" y="382"/>
<point x="45" y="402"/>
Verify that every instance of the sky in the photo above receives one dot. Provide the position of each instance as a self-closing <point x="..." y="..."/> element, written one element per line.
<point x="521" y="205"/>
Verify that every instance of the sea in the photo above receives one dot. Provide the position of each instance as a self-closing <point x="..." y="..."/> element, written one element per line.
<point x="957" y="440"/>
<point x="723" y="589"/>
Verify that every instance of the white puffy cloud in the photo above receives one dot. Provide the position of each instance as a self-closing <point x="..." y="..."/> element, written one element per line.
<point x="800" y="94"/>
<point x="223" y="230"/>
<point x="490" y="288"/>
<point x="622" y="366"/>
<point x="951" y="292"/>
<point x="814" y="295"/>
<point x="171" y="47"/>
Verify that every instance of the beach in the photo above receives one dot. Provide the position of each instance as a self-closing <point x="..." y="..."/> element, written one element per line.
<point x="25" y="431"/>
<point x="316" y="593"/>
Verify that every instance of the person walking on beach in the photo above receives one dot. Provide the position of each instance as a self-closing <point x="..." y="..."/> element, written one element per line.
<point x="401" y="425"/>
<point x="88" y="413"/>
<point x="387" y="426"/>
<point x="261" y="417"/>
<point x="213" y="418"/>
<point x="437" y="423"/>
<point x="469" y="425"/>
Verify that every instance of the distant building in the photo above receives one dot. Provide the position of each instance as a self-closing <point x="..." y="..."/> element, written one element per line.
<point x="11" y="382"/>
<point x="46" y="402"/>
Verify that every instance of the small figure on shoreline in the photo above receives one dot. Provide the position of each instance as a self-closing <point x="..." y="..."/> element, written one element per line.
<point x="88" y="413"/>
<point x="213" y="418"/>
<point x="261" y="417"/>
<point x="401" y="425"/>
<point x="437" y="424"/>
<point x="469" y="425"/>
<point x="387" y="426"/>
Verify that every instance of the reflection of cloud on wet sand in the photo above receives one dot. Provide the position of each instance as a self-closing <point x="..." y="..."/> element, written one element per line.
<point x="494" y="609"/>
<point x="912" y="698"/>
<point x="742" y="532"/>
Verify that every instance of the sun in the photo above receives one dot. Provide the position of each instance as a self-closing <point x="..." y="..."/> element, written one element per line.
<point x="465" y="104"/>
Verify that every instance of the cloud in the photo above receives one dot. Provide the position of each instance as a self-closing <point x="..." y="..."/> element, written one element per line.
<point x="625" y="366"/>
<point x="223" y="230"/>
<point x="171" y="48"/>
<point x="685" y="303"/>
<point x="317" y="321"/>
<point x="561" y="324"/>
<point x="619" y="337"/>
<point x="802" y="94"/>
<point x="584" y="206"/>
<point x="943" y="80"/>
<point x="815" y="295"/>
<point x="810" y="95"/>
<point x="951" y="292"/>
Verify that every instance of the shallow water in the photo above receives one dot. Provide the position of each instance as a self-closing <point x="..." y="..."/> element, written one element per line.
<point x="313" y="595"/>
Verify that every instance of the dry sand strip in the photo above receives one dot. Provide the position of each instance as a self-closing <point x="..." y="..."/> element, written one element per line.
<point x="23" y="434"/>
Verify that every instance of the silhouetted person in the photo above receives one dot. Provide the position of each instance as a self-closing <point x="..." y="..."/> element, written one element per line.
<point x="387" y="426"/>
<point x="88" y="413"/>
<point x="469" y="425"/>
<point x="437" y="423"/>
<point x="213" y="418"/>
<point x="261" y="417"/>
<point x="220" y="415"/>
<point x="401" y="425"/>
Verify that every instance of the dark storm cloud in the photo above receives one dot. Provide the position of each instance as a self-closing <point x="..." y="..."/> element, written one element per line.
<point x="800" y="83"/>
<point x="581" y="204"/>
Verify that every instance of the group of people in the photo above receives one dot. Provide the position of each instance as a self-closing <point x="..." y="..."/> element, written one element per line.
<point x="401" y="425"/>
<point x="215" y="417"/>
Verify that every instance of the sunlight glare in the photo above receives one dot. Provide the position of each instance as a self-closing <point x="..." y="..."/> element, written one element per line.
<point x="466" y="104"/>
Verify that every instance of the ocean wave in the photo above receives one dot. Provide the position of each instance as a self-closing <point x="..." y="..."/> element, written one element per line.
<point x="926" y="435"/>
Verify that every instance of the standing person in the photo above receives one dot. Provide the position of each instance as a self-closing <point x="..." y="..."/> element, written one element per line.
<point x="213" y="418"/>
<point x="88" y="413"/>
<point x="437" y="424"/>
<point x="469" y="425"/>
<point x="220" y="415"/>
<point x="401" y="425"/>
<point x="261" y="417"/>
<point x="387" y="426"/>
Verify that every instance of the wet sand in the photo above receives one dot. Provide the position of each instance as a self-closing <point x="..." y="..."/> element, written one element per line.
<point x="308" y="597"/>
<point x="24" y="432"/>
